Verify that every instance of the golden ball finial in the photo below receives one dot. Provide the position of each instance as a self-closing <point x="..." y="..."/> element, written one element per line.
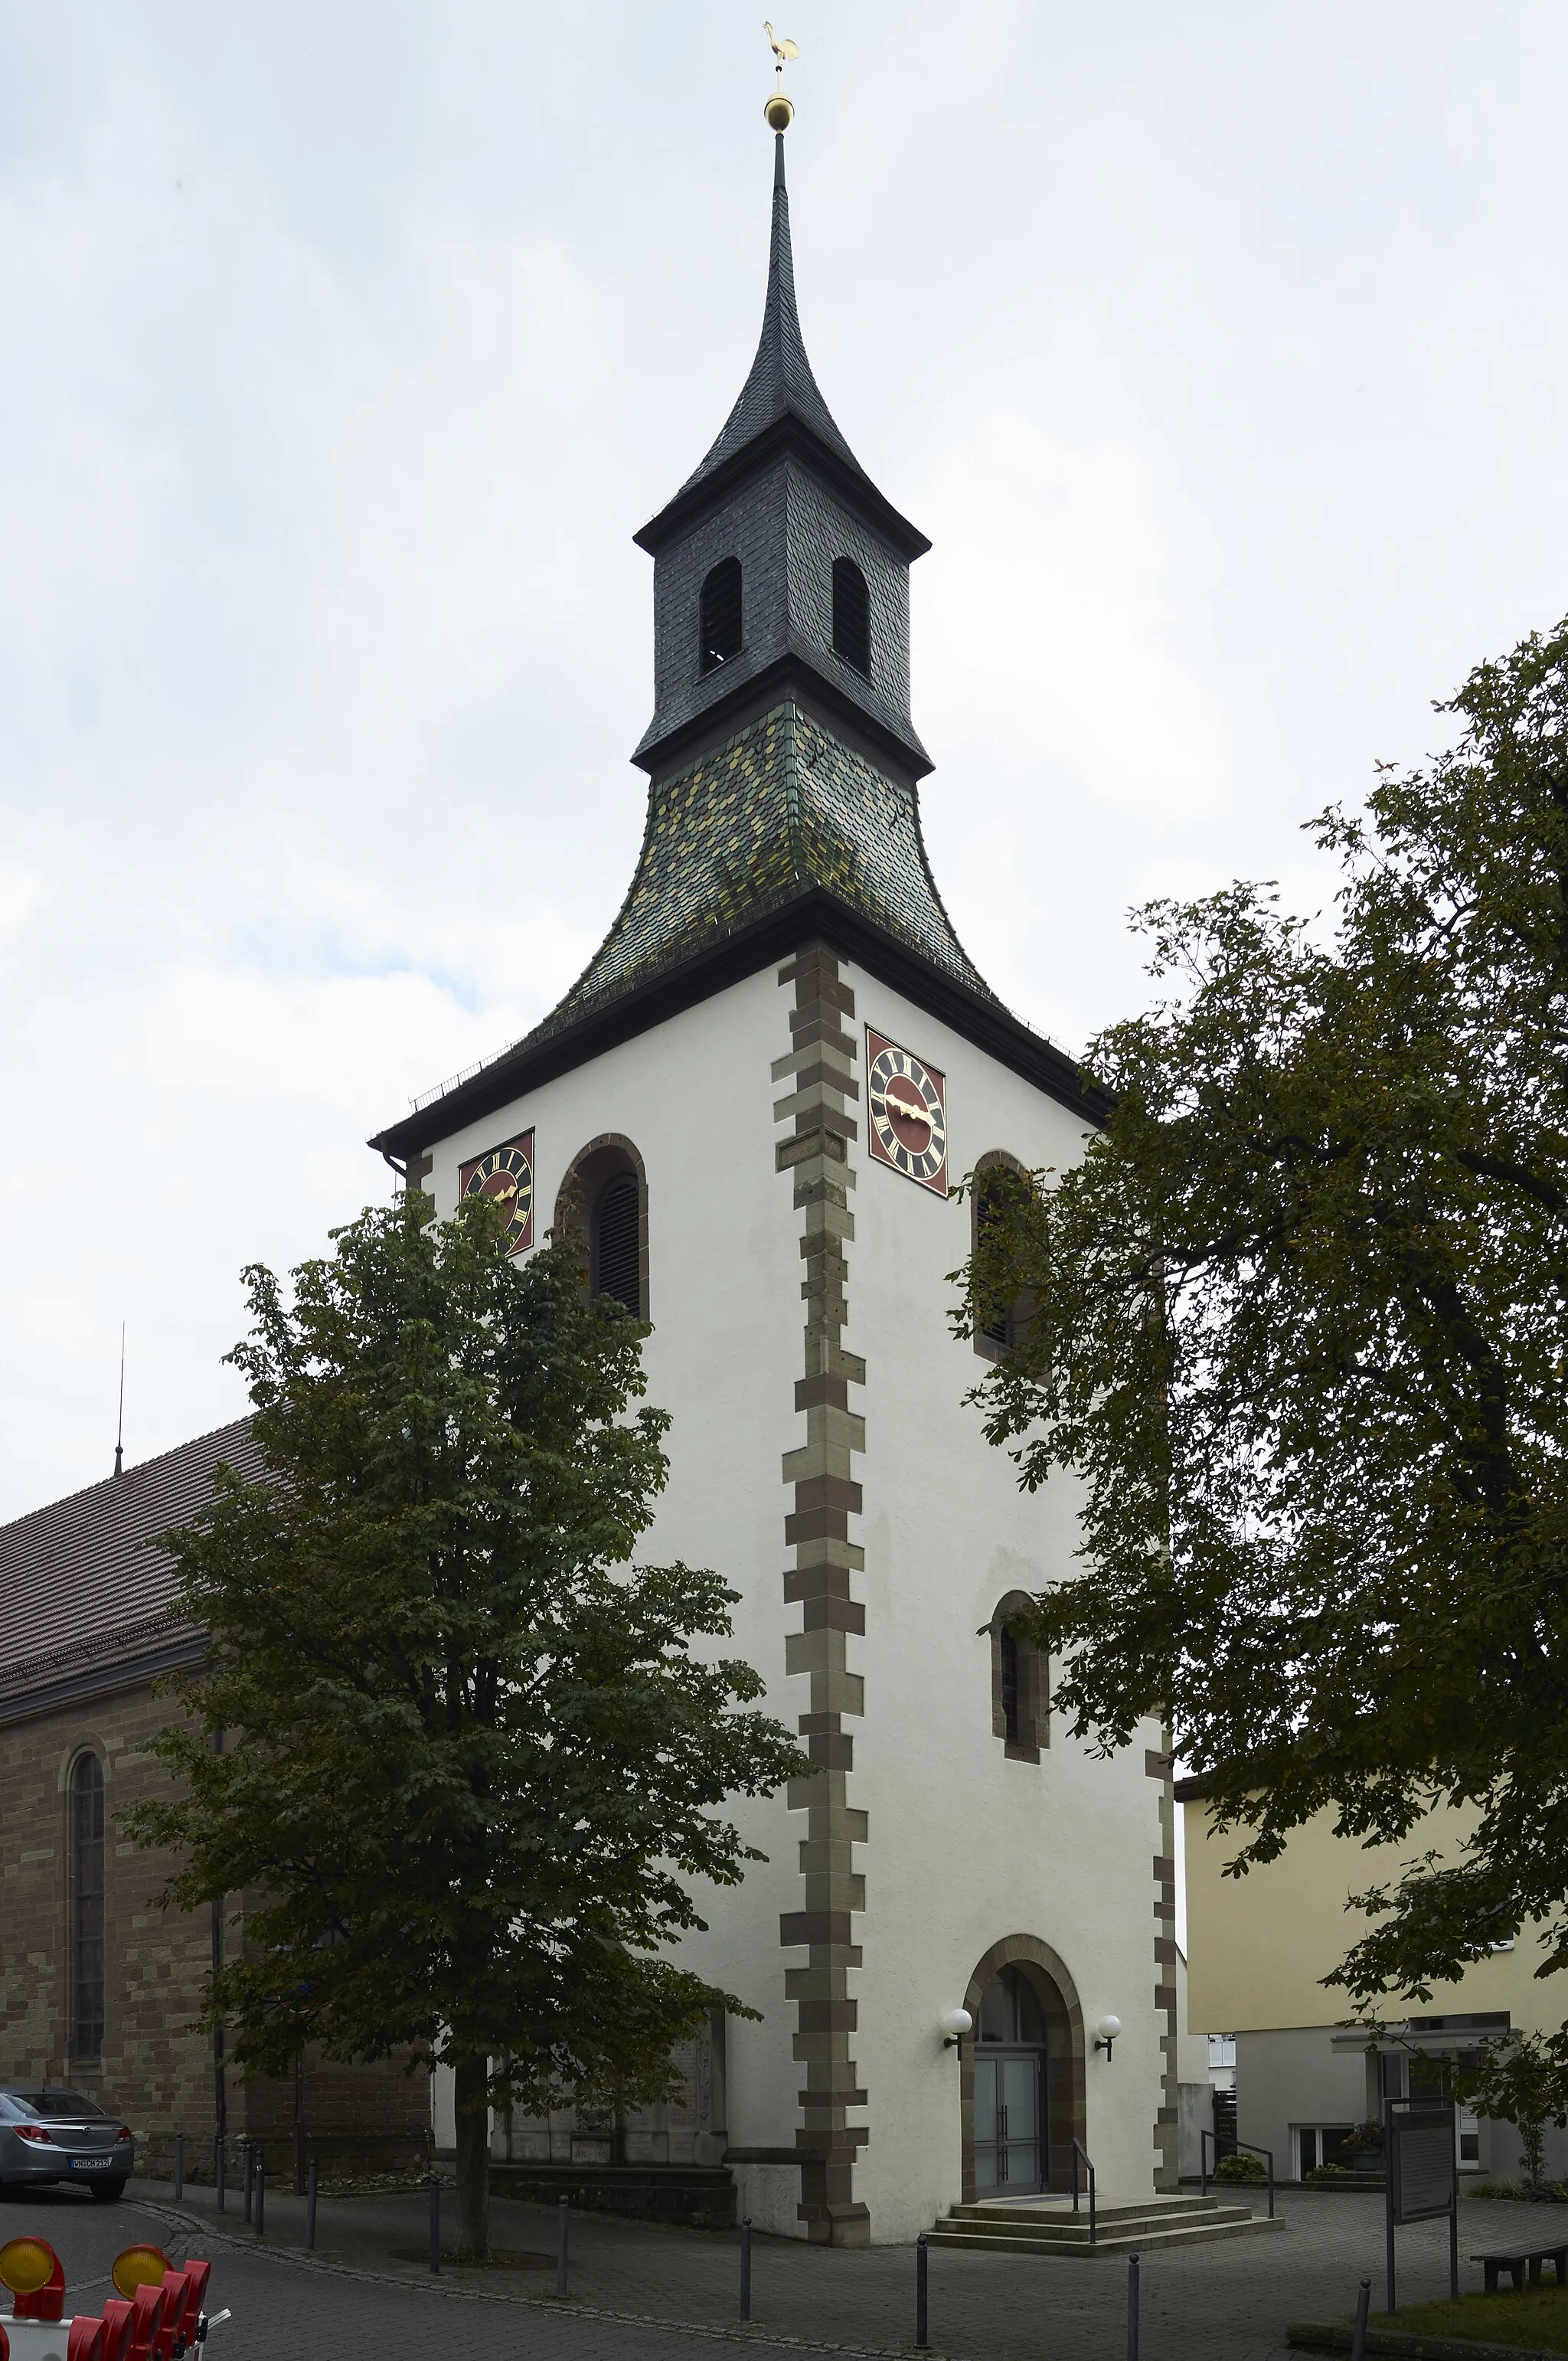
<point x="779" y="112"/>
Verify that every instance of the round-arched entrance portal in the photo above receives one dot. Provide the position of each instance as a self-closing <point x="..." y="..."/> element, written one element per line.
<point x="1022" y="2080"/>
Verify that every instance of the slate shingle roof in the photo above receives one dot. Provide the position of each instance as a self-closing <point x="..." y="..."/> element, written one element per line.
<point x="782" y="807"/>
<point x="781" y="382"/>
<point x="78" y="1591"/>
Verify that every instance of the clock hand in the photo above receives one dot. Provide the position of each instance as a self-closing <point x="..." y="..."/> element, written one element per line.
<point x="891" y="1106"/>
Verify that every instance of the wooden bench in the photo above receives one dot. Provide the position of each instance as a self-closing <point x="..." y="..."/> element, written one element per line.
<point x="1516" y="2260"/>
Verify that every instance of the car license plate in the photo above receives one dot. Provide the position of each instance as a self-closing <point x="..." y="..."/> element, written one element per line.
<point x="90" y="2163"/>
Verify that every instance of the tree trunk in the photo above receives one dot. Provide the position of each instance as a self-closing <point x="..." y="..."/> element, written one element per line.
<point x="473" y="2156"/>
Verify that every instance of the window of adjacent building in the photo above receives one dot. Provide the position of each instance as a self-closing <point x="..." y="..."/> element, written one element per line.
<point x="720" y="625"/>
<point x="1319" y="2144"/>
<point x="87" y="1908"/>
<point x="616" y="1248"/>
<point x="851" y="615"/>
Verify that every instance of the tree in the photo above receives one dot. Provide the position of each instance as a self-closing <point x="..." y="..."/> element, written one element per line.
<point x="472" y="1757"/>
<point x="1299" y="1326"/>
<point x="1522" y="2079"/>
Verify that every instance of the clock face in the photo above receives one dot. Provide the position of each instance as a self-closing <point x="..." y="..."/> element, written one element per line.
<point x="507" y="1175"/>
<point x="906" y="1100"/>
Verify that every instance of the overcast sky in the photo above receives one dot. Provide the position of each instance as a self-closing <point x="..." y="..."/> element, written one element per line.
<point x="1220" y="350"/>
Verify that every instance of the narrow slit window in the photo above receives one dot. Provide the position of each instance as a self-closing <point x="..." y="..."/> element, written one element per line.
<point x="616" y="1264"/>
<point x="851" y="615"/>
<point x="87" y="1908"/>
<point x="721" y="620"/>
<point x="1010" y="1720"/>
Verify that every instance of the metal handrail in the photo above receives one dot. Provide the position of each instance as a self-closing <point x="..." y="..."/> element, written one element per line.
<point x="1078" y="2152"/>
<point x="1253" y="2149"/>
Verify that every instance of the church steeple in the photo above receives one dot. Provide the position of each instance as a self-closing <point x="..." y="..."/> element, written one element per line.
<point x="783" y="799"/>
<point x="781" y="382"/>
<point x="781" y="501"/>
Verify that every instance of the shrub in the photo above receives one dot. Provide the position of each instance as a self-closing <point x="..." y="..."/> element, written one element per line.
<point x="1240" y="2167"/>
<point x="1329" y="2172"/>
<point x="1494" y="2188"/>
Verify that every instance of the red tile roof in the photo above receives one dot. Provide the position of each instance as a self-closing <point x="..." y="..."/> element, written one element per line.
<point x="78" y="1589"/>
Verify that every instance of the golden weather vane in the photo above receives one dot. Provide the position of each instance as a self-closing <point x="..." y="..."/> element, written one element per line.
<point x="780" y="108"/>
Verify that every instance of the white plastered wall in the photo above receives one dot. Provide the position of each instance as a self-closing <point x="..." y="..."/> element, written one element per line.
<point x="966" y="1847"/>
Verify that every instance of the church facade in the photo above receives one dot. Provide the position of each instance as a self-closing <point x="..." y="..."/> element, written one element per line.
<point x="754" y="1102"/>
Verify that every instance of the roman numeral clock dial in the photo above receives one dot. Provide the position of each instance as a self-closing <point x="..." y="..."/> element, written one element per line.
<point x="506" y="1173"/>
<point x="906" y="1100"/>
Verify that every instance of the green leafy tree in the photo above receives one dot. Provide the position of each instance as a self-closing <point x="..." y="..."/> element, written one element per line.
<point x="1522" y="2079"/>
<point x="472" y="1757"/>
<point x="1298" y="1326"/>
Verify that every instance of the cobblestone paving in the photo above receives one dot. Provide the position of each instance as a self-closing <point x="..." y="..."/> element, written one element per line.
<point x="670" y="2294"/>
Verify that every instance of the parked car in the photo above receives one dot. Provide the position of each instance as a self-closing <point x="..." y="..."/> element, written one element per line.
<point x="59" y="2135"/>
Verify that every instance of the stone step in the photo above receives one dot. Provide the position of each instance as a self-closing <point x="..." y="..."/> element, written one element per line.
<point x="1059" y="2209"/>
<point x="1144" y="2239"/>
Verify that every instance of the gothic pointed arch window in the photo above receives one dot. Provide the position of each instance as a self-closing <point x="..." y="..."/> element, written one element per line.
<point x="603" y="1204"/>
<point x="851" y="615"/>
<point x="86" y="1848"/>
<point x="720" y="616"/>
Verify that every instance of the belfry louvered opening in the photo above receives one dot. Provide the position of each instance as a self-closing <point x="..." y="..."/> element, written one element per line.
<point x="616" y="1258"/>
<point x="851" y="615"/>
<point x="720" y="623"/>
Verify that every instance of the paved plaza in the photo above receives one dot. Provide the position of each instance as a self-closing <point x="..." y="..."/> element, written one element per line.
<point x="670" y="2294"/>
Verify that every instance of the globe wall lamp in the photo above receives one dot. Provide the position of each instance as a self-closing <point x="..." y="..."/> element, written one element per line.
<point x="1105" y="2033"/>
<point x="954" y="2022"/>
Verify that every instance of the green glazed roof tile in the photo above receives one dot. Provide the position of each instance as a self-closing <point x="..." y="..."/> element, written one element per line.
<point x="782" y="807"/>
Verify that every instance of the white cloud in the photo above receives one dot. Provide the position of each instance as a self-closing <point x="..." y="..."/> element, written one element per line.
<point x="346" y="346"/>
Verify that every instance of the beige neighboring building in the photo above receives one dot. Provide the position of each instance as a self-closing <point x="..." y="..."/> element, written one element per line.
<point x="1257" y="1948"/>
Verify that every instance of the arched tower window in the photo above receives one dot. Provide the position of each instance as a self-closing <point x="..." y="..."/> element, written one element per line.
<point x="1020" y="1684"/>
<point x="1004" y="1322"/>
<point x="87" y="1908"/>
<point x="720" y="622"/>
<point x="851" y="615"/>
<point x="615" y="1256"/>
<point x="603" y="1204"/>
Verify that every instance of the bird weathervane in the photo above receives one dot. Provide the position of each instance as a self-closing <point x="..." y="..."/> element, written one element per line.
<point x="780" y="108"/>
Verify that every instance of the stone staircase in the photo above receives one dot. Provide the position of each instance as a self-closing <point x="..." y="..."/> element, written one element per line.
<point x="1048" y="2226"/>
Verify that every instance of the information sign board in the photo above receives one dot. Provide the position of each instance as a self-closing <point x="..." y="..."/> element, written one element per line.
<point x="1420" y="2152"/>
<point x="1421" y="2161"/>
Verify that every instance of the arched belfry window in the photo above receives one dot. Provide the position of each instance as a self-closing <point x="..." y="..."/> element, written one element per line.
<point x="1004" y="1323"/>
<point x="87" y="1908"/>
<point x="851" y="615"/>
<point x="1020" y="1684"/>
<point x="603" y="1204"/>
<point x="720" y="622"/>
<point x="615" y="1260"/>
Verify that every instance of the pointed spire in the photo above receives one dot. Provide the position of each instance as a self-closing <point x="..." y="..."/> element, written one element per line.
<point x="781" y="382"/>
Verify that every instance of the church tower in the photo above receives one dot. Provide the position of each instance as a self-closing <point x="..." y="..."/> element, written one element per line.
<point x="754" y="1098"/>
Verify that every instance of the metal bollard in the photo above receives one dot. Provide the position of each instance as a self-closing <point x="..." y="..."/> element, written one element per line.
<point x="180" y="2167"/>
<point x="746" y="2269"/>
<point x="561" y="2212"/>
<point x="261" y="2196"/>
<point x="434" y="2224"/>
<point x="219" y="2160"/>
<point x="311" y="2208"/>
<point x="921" y="2309"/>
<point x="249" y="2180"/>
<point x="1131" y="2308"/>
<point x="1358" y="2337"/>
